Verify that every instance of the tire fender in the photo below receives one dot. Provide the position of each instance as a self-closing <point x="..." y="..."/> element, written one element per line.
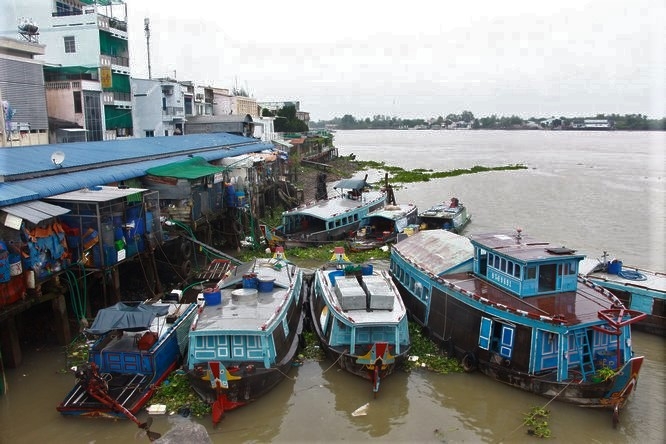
<point x="469" y="362"/>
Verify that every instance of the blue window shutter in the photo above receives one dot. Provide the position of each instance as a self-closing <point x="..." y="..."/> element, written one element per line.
<point x="506" y="347"/>
<point x="484" y="333"/>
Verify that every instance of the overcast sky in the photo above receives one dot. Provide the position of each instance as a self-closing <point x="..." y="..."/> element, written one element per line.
<point x="415" y="59"/>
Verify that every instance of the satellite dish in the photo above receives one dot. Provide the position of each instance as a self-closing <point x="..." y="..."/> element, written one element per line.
<point x="58" y="157"/>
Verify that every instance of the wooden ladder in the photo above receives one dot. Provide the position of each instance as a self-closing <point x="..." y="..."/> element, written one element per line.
<point x="585" y="353"/>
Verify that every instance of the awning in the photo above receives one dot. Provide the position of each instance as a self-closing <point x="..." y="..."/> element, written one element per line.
<point x="193" y="168"/>
<point x="34" y="211"/>
<point x="96" y="194"/>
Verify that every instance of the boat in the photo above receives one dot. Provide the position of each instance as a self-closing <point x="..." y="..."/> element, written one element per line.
<point x="516" y="310"/>
<point x="135" y="347"/>
<point x="383" y="226"/>
<point x="329" y="219"/>
<point x="637" y="288"/>
<point x="247" y="332"/>
<point x="452" y="216"/>
<point x="359" y="318"/>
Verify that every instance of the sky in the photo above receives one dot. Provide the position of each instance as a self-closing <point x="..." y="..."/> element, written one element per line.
<point x="415" y="59"/>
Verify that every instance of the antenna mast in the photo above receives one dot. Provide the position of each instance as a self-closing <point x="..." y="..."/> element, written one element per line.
<point x="146" y="28"/>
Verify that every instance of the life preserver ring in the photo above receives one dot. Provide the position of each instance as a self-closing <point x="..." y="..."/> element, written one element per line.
<point x="186" y="249"/>
<point x="468" y="362"/>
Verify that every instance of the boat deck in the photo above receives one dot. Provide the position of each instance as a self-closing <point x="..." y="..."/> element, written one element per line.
<point x="379" y="285"/>
<point x="575" y="307"/>
<point x="248" y="309"/>
<point x="648" y="280"/>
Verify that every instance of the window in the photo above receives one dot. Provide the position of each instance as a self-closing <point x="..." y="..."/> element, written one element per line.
<point x="78" y="107"/>
<point x="70" y="44"/>
<point x="150" y="133"/>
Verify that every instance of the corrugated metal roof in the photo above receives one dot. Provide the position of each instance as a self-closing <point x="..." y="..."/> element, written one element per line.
<point x="124" y="167"/>
<point x="37" y="158"/>
<point x="35" y="211"/>
<point x="97" y="194"/>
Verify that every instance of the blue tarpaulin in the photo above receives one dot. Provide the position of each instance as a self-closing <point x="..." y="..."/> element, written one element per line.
<point x="126" y="317"/>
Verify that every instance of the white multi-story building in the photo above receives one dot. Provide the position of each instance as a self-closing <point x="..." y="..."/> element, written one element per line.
<point x="159" y="107"/>
<point x="86" y="61"/>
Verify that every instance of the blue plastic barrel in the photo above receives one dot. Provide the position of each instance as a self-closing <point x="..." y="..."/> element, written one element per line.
<point x="366" y="270"/>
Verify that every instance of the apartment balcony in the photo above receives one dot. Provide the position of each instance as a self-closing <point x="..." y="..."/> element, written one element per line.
<point x="74" y="85"/>
<point x="118" y="99"/>
<point x="173" y="113"/>
<point x="88" y="17"/>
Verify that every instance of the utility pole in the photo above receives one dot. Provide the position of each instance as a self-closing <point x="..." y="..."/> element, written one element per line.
<point x="146" y="28"/>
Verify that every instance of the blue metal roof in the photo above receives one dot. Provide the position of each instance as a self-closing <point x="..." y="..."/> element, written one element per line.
<point x="120" y="159"/>
<point x="37" y="158"/>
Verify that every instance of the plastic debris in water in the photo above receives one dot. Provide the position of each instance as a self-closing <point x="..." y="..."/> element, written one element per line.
<point x="361" y="411"/>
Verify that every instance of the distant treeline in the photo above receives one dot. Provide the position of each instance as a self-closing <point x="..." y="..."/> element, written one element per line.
<point x="627" y="122"/>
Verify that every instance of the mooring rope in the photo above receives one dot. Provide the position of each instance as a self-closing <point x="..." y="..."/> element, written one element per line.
<point x="544" y="406"/>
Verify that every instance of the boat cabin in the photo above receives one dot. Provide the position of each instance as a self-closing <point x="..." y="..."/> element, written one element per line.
<point x="525" y="268"/>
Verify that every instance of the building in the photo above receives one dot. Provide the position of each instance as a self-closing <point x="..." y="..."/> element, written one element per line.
<point x="23" y="116"/>
<point x="159" y="107"/>
<point x="86" y="62"/>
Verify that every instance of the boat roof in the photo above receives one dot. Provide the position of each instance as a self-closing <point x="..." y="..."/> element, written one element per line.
<point x="392" y="212"/>
<point x="334" y="206"/>
<point x="246" y="310"/>
<point x="437" y="251"/>
<point x="522" y="247"/>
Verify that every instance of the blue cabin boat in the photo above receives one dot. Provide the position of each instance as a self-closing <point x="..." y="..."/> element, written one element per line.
<point x="247" y="333"/>
<point x="331" y="219"/>
<point x="637" y="288"/>
<point x="383" y="226"/>
<point x="517" y="310"/>
<point x="137" y="347"/>
<point x="359" y="318"/>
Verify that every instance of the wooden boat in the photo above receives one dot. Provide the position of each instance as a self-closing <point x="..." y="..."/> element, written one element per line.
<point x="452" y="216"/>
<point x="137" y="346"/>
<point x="243" y="344"/>
<point x="637" y="288"/>
<point x="382" y="226"/>
<point x="359" y="318"/>
<point x="517" y="310"/>
<point x="330" y="219"/>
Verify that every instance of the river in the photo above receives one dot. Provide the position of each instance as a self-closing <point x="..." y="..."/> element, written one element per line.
<point x="590" y="191"/>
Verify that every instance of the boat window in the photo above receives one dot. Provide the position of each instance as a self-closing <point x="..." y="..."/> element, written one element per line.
<point x="503" y="264"/>
<point x="509" y="267"/>
<point x="516" y="270"/>
<point x="344" y="221"/>
<point x="496" y="262"/>
<point x="531" y="273"/>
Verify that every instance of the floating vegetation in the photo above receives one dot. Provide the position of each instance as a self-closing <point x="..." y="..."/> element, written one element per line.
<point x="401" y="175"/>
<point x="312" y="350"/>
<point x="424" y="353"/>
<point x="320" y="254"/>
<point x="537" y="422"/>
<point x="178" y="396"/>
